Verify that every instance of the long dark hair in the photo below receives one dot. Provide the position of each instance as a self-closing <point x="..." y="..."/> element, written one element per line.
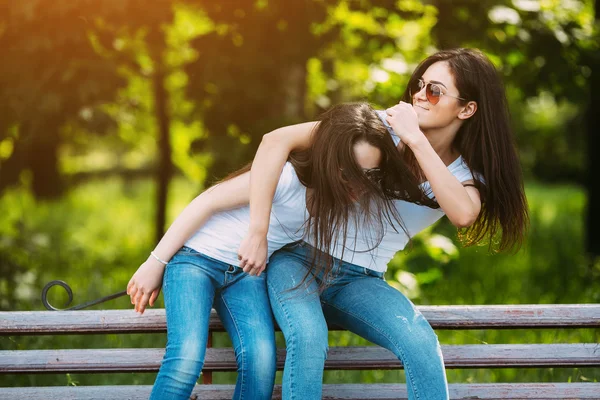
<point x="329" y="168"/>
<point x="342" y="192"/>
<point x="486" y="143"/>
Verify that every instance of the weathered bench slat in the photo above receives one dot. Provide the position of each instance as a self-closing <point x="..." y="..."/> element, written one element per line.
<point x="441" y="317"/>
<point x="502" y="391"/>
<point x="344" y="358"/>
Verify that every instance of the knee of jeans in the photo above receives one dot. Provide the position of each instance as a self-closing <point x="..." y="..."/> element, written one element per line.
<point x="261" y="355"/>
<point x="425" y="331"/>
<point x="420" y="335"/>
<point x="258" y="363"/>
<point x="185" y="357"/>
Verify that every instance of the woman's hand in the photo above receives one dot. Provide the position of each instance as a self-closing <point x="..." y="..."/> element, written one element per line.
<point x="253" y="253"/>
<point x="405" y="122"/>
<point x="144" y="286"/>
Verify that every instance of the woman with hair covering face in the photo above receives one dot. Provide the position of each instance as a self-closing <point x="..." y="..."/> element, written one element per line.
<point x="453" y="131"/>
<point x="338" y="178"/>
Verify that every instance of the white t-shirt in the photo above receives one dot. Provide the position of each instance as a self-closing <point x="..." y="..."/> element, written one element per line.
<point x="367" y="248"/>
<point x="221" y="235"/>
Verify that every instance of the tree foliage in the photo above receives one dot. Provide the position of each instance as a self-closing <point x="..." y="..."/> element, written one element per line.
<point x="51" y="71"/>
<point x="255" y="65"/>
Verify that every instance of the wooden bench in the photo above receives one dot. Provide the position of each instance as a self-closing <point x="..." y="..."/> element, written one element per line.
<point x="339" y="358"/>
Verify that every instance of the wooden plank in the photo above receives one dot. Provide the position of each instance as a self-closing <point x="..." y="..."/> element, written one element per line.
<point x="501" y="391"/>
<point x="339" y="358"/>
<point x="440" y="317"/>
<point x="207" y="376"/>
<point x="474" y="356"/>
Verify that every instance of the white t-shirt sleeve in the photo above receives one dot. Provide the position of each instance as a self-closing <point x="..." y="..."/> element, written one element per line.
<point x="286" y="182"/>
<point x="464" y="174"/>
<point x="382" y="116"/>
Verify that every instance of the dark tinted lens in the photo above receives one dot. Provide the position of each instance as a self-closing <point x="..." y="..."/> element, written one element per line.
<point x="433" y="93"/>
<point x="375" y="175"/>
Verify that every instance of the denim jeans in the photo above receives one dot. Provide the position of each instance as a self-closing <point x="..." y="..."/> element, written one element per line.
<point x="359" y="300"/>
<point x="193" y="284"/>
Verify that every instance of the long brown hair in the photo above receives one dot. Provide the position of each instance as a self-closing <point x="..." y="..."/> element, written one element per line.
<point x="330" y="169"/>
<point x="487" y="145"/>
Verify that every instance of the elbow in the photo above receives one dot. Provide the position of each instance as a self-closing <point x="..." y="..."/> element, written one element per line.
<point x="272" y="139"/>
<point x="464" y="220"/>
<point x="276" y="145"/>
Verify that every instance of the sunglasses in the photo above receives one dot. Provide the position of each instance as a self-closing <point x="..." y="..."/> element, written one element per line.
<point x="433" y="91"/>
<point x="375" y="175"/>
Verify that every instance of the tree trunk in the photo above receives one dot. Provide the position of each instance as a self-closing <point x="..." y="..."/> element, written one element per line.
<point x="593" y="213"/>
<point x="295" y="91"/>
<point x="43" y="162"/>
<point x="11" y="168"/>
<point x="165" y="166"/>
<point x="36" y="150"/>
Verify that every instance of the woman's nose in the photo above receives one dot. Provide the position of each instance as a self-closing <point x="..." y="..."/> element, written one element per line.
<point x="420" y="95"/>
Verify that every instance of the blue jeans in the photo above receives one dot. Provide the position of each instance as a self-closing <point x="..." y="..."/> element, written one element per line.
<point x="359" y="300"/>
<point x="193" y="284"/>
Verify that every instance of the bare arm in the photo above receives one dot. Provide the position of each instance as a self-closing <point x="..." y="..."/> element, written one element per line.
<point x="461" y="204"/>
<point x="270" y="158"/>
<point x="144" y="286"/>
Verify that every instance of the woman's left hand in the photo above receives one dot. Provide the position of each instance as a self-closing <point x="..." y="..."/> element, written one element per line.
<point x="405" y="122"/>
<point x="253" y="253"/>
<point x="144" y="286"/>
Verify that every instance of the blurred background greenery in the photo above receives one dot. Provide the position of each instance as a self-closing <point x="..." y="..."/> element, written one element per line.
<point x="115" y="114"/>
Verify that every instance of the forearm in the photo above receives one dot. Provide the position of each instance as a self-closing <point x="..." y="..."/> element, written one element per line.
<point x="144" y="285"/>
<point x="451" y="195"/>
<point x="184" y="226"/>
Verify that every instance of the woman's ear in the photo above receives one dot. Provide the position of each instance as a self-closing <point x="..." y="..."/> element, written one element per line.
<point x="468" y="111"/>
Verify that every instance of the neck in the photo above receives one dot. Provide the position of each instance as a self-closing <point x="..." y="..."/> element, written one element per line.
<point x="441" y="140"/>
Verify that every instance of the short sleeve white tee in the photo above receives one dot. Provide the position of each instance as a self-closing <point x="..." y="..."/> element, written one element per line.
<point x="373" y="249"/>
<point x="221" y="235"/>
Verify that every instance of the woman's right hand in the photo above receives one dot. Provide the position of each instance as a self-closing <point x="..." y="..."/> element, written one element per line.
<point x="405" y="122"/>
<point x="253" y="253"/>
<point x="144" y="286"/>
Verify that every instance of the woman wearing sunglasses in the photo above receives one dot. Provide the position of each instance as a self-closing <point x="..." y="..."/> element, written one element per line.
<point x="453" y="130"/>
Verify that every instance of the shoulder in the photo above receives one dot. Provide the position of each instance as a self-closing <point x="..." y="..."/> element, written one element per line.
<point x="462" y="171"/>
